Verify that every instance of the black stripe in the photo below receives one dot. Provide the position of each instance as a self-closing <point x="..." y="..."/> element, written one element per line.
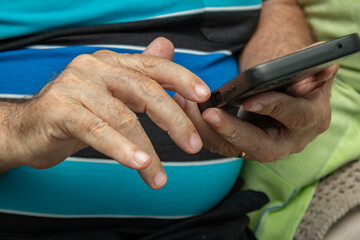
<point x="14" y="224"/>
<point x="199" y="31"/>
<point x="164" y="146"/>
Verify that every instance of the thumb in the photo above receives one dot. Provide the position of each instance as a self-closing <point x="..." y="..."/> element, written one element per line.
<point x="160" y="47"/>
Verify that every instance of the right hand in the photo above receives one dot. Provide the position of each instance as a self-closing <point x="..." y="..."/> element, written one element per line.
<point x="92" y="103"/>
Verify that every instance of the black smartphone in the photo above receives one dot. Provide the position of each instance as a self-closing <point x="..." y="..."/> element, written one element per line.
<point x="282" y="72"/>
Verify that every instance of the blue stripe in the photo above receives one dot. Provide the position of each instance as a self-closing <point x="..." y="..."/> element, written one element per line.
<point x="26" y="71"/>
<point x="86" y="188"/>
<point x="25" y="17"/>
<point x="78" y="188"/>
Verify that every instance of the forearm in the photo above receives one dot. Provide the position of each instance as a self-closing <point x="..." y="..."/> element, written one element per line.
<point x="5" y="110"/>
<point x="282" y="29"/>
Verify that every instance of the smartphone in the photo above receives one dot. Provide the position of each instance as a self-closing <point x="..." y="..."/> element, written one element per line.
<point x="279" y="73"/>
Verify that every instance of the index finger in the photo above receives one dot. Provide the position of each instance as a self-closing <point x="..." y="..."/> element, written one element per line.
<point x="168" y="74"/>
<point x="125" y="122"/>
<point x="309" y="84"/>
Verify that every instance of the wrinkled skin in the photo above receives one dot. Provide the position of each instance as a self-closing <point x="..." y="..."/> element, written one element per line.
<point x="92" y="103"/>
<point x="285" y="122"/>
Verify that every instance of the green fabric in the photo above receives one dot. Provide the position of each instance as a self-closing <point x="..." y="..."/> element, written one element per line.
<point x="330" y="19"/>
<point x="290" y="182"/>
<point x="280" y="192"/>
<point x="286" y="221"/>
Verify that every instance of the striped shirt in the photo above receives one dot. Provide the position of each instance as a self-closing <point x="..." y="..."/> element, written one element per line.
<point x="38" y="40"/>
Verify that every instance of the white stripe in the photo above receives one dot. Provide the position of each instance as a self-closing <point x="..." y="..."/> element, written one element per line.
<point x="15" y="96"/>
<point x="44" y="47"/>
<point x="209" y="9"/>
<point x="201" y="163"/>
<point x="132" y="47"/>
<point x="183" y="13"/>
<point x="91" y="216"/>
<point x="123" y="46"/>
<point x="194" y="163"/>
<point x="91" y="160"/>
<point x="179" y="50"/>
<point x="233" y="8"/>
<point x="196" y="52"/>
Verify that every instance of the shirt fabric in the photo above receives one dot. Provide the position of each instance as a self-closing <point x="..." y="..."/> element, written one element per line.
<point x="88" y="190"/>
<point x="290" y="183"/>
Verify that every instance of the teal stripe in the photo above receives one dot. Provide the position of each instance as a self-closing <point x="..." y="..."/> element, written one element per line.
<point x="24" y="17"/>
<point x="88" y="188"/>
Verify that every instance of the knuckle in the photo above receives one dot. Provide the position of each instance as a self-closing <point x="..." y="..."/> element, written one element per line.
<point x="180" y="119"/>
<point x="124" y="59"/>
<point x="128" y="119"/>
<point x="232" y="135"/>
<point x="317" y="120"/>
<point x="224" y="148"/>
<point x="229" y="150"/>
<point x="297" y="143"/>
<point x="103" y="52"/>
<point x="148" y="62"/>
<point x="276" y="108"/>
<point x="68" y="119"/>
<point x="153" y="92"/>
<point x="300" y="142"/>
<point x="325" y="121"/>
<point x="152" y="87"/>
<point x="299" y="148"/>
<point x="96" y="127"/>
<point x="83" y="60"/>
<point x="303" y="120"/>
<point x="266" y="155"/>
<point x="324" y="126"/>
<point x="70" y="78"/>
<point x="69" y="115"/>
<point x="53" y="95"/>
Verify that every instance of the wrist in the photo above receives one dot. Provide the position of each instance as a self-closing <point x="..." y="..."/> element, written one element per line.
<point x="6" y="166"/>
<point x="282" y="29"/>
<point x="7" y="145"/>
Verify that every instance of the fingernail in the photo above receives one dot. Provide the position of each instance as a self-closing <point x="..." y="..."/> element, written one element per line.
<point x="141" y="157"/>
<point x="213" y="118"/>
<point x="195" y="141"/>
<point x="201" y="91"/>
<point x="160" y="178"/>
<point x="180" y="101"/>
<point x="256" y="107"/>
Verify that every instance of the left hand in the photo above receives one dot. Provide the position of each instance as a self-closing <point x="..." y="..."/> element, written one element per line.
<point x="284" y="122"/>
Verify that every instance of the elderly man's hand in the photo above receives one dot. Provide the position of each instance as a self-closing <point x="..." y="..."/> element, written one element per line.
<point x="92" y="103"/>
<point x="284" y="122"/>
